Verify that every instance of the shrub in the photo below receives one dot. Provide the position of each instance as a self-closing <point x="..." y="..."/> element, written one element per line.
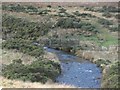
<point x="77" y="13"/>
<point x="37" y="71"/>
<point x="111" y="78"/>
<point x="19" y="61"/>
<point x="20" y="28"/>
<point x="107" y="14"/>
<point x="42" y="12"/>
<point x="109" y="9"/>
<point x="49" y="6"/>
<point x="59" y="6"/>
<point x="20" y="8"/>
<point x="65" y="14"/>
<point x="105" y="22"/>
<point x="62" y="10"/>
<point x="83" y="14"/>
<point x="24" y="46"/>
<point x="32" y="8"/>
<point x="113" y="29"/>
<point x="76" y="23"/>
<point x="117" y="16"/>
<point x="15" y="8"/>
<point x="89" y="8"/>
<point x="68" y="23"/>
<point x="99" y="62"/>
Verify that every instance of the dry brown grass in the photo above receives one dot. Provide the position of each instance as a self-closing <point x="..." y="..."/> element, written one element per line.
<point x="34" y="18"/>
<point x="9" y="55"/>
<point x="6" y="83"/>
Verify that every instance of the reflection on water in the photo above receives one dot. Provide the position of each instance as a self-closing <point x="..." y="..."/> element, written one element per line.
<point x="77" y="72"/>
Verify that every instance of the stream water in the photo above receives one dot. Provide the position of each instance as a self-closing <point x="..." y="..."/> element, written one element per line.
<point x="76" y="71"/>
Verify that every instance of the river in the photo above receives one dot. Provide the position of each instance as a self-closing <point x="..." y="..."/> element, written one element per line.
<point x="76" y="71"/>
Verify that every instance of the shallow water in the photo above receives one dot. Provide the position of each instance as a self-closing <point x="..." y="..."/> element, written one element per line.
<point x="76" y="71"/>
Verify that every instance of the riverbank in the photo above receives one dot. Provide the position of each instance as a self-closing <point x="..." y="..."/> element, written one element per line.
<point x="107" y="60"/>
<point x="110" y="55"/>
<point x="7" y="56"/>
<point x="77" y="71"/>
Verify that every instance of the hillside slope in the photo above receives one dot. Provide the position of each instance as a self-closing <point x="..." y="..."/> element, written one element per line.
<point x="90" y="32"/>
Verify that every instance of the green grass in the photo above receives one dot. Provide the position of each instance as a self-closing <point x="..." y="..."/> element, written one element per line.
<point x="111" y="41"/>
<point x="104" y="33"/>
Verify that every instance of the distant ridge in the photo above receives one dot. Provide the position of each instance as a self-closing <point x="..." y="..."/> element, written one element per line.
<point x="60" y="0"/>
<point x="70" y="3"/>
